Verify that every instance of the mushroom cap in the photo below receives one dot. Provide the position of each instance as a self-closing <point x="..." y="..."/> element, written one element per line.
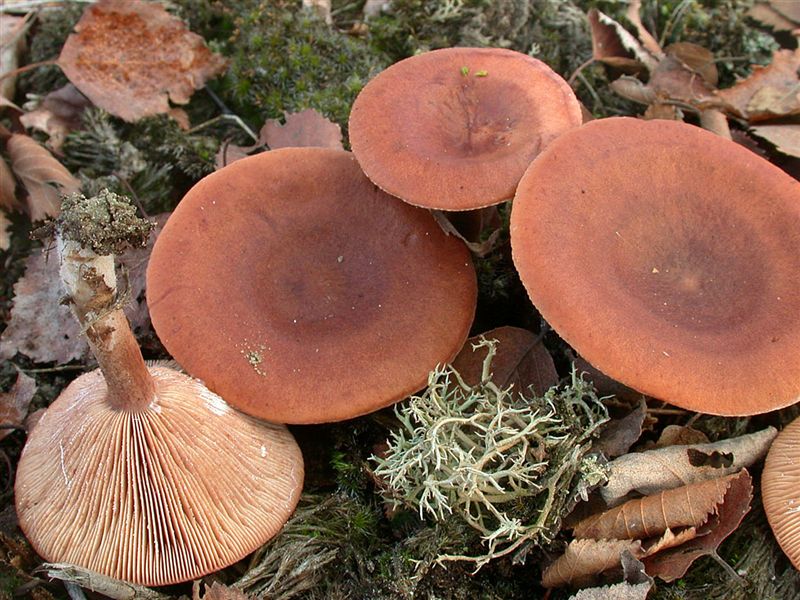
<point x="780" y="490"/>
<point x="456" y="128"/>
<point x="182" y="489"/>
<point x="301" y="293"/>
<point x="669" y="258"/>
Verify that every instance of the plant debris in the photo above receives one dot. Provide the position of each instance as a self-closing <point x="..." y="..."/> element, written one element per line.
<point x="654" y="470"/>
<point x="38" y="171"/>
<point x="14" y="403"/>
<point x="130" y="57"/>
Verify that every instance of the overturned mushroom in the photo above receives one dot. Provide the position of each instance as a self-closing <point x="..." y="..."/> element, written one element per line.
<point x="456" y="128"/>
<point x="301" y="293"/>
<point x="140" y="473"/>
<point x="780" y="490"/>
<point x="670" y="259"/>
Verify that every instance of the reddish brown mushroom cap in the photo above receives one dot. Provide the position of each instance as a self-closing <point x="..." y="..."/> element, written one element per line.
<point x="456" y="128"/>
<point x="181" y="489"/>
<point x="301" y="293"/>
<point x="670" y="259"/>
<point x="780" y="490"/>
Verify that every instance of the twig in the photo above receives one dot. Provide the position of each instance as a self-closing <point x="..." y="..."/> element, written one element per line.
<point x="29" y="67"/>
<point x="21" y="7"/>
<point x="55" y="369"/>
<point x="578" y="71"/>
<point x="225" y="117"/>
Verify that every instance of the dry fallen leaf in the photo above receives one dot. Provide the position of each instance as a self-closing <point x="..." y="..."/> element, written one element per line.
<point x="521" y="361"/>
<point x="766" y="14"/>
<point x="101" y="584"/>
<point x="133" y="267"/>
<point x="673" y="564"/>
<point x="12" y="44"/>
<point x="5" y="235"/>
<point x="14" y="403"/>
<point x="652" y="471"/>
<point x="687" y="506"/>
<point x="770" y="92"/>
<point x="37" y="169"/>
<point x="613" y="45"/>
<point x="618" y="435"/>
<point x="321" y="7"/>
<point x="59" y="113"/>
<point x="648" y="41"/>
<point x="679" y="435"/>
<point x="217" y="591"/>
<point x="635" y="585"/>
<point x="786" y="137"/>
<point x="40" y="326"/>
<point x="131" y="57"/>
<point x="584" y="559"/>
<point x="305" y="128"/>
<point x="8" y="184"/>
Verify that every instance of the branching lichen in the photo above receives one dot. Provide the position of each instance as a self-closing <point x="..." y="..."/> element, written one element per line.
<point x="509" y="464"/>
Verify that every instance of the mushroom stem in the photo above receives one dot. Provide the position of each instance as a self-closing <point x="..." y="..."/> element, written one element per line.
<point x="91" y="284"/>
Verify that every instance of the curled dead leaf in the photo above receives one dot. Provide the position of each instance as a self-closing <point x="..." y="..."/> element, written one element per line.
<point x="686" y="506"/>
<point x="8" y="197"/>
<point x="14" y="403"/>
<point x="584" y="559"/>
<point x="59" y="113"/>
<point x="613" y="45"/>
<point x="672" y="564"/>
<point x="12" y="44"/>
<point x="39" y="172"/>
<point x="131" y="57"/>
<point x="652" y="471"/>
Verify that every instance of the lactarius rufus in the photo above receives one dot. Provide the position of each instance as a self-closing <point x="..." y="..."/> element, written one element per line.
<point x="455" y="128"/>
<point x="669" y="258"/>
<point x="136" y="472"/>
<point x="301" y="293"/>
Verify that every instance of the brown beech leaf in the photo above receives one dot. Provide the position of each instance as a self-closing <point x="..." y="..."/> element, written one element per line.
<point x="788" y="8"/>
<point x="131" y="57"/>
<point x="59" y="113"/>
<point x="770" y="92"/>
<point x="38" y="170"/>
<point x="613" y="45"/>
<point x="696" y="59"/>
<point x="14" y="403"/>
<point x="672" y="564"/>
<point x="40" y="326"/>
<point x="653" y="471"/>
<point x="619" y="435"/>
<point x="8" y="198"/>
<point x="521" y="361"/>
<point x="786" y="137"/>
<point x="305" y="128"/>
<point x="5" y="235"/>
<point x="687" y="506"/>
<point x="583" y="560"/>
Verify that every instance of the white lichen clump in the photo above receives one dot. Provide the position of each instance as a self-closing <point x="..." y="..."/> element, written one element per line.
<point x="507" y="462"/>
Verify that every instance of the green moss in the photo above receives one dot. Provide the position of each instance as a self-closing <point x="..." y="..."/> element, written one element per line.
<point x="283" y="59"/>
<point x="49" y="33"/>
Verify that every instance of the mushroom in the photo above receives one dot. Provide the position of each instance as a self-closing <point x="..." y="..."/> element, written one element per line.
<point x="669" y="258"/>
<point x="780" y="490"/>
<point x="138" y="473"/>
<point x="455" y="129"/>
<point x="301" y="293"/>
